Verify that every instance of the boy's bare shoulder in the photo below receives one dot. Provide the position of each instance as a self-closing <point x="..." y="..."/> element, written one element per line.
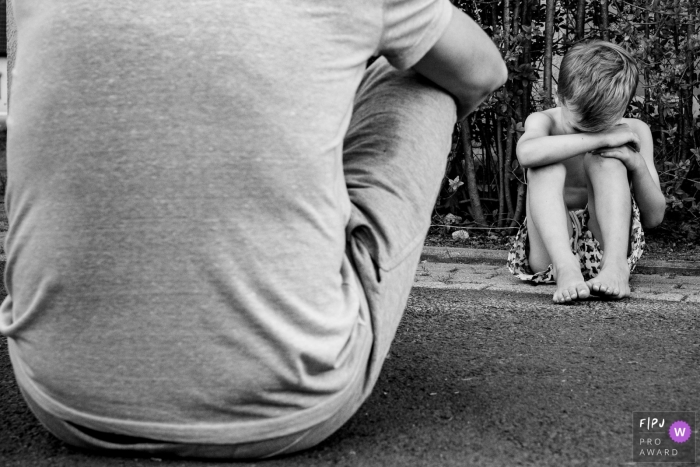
<point x="636" y="124"/>
<point x="549" y="114"/>
<point x="544" y="119"/>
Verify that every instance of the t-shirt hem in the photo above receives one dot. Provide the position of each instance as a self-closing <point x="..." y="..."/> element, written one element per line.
<point x="207" y="433"/>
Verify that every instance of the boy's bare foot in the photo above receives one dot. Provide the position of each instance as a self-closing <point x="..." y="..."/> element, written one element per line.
<point x="570" y="284"/>
<point x="612" y="282"/>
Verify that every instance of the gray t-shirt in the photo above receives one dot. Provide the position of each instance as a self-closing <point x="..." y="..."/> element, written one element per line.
<point x="176" y="255"/>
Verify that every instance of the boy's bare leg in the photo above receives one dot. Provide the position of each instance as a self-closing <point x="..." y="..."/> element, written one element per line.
<point x="610" y="207"/>
<point x="549" y="230"/>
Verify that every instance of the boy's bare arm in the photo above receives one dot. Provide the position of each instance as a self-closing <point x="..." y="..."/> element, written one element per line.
<point x="465" y="62"/>
<point x="642" y="174"/>
<point x="538" y="147"/>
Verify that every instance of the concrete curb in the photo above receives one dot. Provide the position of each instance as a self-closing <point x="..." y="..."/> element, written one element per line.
<point x="470" y="272"/>
<point x="435" y="254"/>
<point x="546" y="291"/>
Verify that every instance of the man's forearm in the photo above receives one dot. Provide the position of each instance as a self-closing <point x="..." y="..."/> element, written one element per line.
<point x="464" y="62"/>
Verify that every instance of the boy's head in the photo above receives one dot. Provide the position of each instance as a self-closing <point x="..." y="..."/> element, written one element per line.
<point x="597" y="80"/>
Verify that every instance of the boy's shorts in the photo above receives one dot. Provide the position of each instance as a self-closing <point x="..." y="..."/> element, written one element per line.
<point x="583" y="245"/>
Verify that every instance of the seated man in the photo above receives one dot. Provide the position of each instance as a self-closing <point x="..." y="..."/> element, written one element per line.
<point x="216" y="210"/>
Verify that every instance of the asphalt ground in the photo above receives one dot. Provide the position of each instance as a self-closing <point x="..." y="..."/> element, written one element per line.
<point x="485" y="373"/>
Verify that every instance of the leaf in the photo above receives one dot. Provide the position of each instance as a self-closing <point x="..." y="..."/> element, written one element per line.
<point x="460" y="235"/>
<point x="455" y="184"/>
<point x="452" y="219"/>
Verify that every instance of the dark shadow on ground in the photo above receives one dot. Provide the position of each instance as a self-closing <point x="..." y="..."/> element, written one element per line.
<point x="478" y="378"/>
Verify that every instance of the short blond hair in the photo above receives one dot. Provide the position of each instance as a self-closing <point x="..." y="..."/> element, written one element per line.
<point x="597" y="81"/>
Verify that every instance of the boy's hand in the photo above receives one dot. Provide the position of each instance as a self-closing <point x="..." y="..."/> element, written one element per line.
<point x="620" y="135"/>
<point x="627" y="154"/>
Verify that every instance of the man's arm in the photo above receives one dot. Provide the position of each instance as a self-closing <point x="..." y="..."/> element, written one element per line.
<point x="464" y="62"/>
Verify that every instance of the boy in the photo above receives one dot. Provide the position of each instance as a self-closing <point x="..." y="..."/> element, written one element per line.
<point x="583" y="227"/>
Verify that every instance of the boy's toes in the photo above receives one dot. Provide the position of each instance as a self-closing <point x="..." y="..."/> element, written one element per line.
<point x="570" y="294"/>
<point x="598" y="289"/>
<point x="566" y="294"/>
<point x="561" y="296"/>
<point x="611" y="283"/>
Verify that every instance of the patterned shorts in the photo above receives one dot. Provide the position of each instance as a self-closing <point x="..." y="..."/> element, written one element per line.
<point x="583" y="245"/>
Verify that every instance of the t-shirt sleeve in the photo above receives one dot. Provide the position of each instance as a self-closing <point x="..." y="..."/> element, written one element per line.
<point x="411" y="29"/>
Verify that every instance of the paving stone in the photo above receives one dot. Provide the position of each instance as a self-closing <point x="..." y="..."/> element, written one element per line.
<point x="482" y="276"/>
<point x="668" y="297"/>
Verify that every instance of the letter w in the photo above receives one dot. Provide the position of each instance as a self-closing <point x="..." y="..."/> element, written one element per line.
<point x="679" y="431"/>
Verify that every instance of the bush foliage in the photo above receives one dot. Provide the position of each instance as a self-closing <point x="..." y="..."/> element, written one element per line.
<point x="484" y="184"/>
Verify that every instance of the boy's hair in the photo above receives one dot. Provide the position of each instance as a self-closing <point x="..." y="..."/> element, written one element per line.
<point x="597" y="80"/>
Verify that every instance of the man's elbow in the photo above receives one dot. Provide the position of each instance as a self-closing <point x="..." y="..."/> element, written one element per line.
<point x="492" y="79"/>
<point x="473" y="93"/>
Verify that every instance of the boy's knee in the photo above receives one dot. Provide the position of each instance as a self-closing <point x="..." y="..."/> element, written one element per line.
<point x="596" y="162"/>
<point x="546" y="172"/>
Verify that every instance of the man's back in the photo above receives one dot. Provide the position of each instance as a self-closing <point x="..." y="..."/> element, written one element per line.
<point x="176" y="253"/>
